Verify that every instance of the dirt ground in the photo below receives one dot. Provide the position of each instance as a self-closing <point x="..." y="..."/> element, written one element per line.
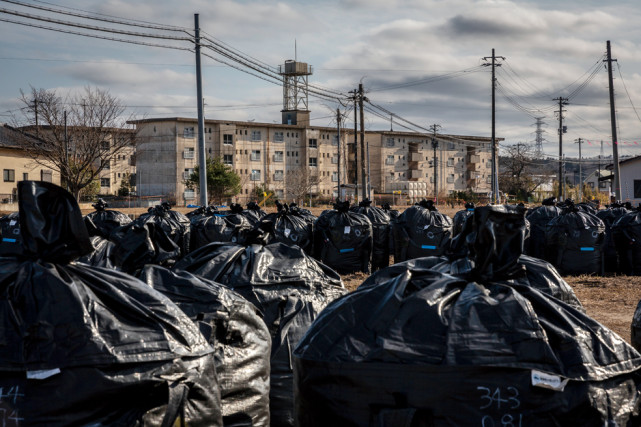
<point x="610" y="300"/>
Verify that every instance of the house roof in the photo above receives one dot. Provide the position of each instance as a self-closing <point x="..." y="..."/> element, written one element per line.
<point x="10" y="136"/>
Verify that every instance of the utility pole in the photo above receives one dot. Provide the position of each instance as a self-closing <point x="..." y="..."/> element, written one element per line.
<point x="355" y="98"/>
<point x="66" y="153"/>
<point x="580" y="141"/>
<point x="562" y="130"/>
<point x="338" y="125"/>
<point x="434" y="128"/>
<point x="495" y="166"/>
<point x="362" y="117"/>
<point x="598" y="180"/>
<point x="613" y="121"/>
<point x="202" y="160"/>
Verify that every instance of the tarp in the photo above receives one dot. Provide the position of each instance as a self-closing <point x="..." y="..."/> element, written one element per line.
<point x="421" y="230"/>
<point x="574" y="240"/>
<point x="343" y="240"/>
<point x="381" y="232"/>
<point x="90" y="346"/>
<point x="103" y="221"/>
<point x="626" y="234"/>
<point x="287" y="227"/>
<point x="288" y="287"/>
<point x="235" y="329"/>
<point x="481" y="348"/>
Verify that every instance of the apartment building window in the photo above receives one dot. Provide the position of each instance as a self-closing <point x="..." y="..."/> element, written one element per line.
<point x="46" y="176"/>
<point x="278" y="175"/>
<point x="334" y="176"/>
<point x="189" y="153"/>
<point x="228" y="139"/>
<point x="451" y="146"/>
<point x="279" y="194"/>
<point x="335" y="140"/>
<point x="489" y="179"/>
<point x="228" y="159"/>
<point x="255" y="176"/>
<point x="9" y="175"/>
<point x="105" y="182"/>
<point x="389" y="160"/>
<point x="450" y="179"/>
<point x="187" y="173"/>
<point x="488" y="164"/>
<point x="188" y="132"/>
<point x="390" y="142"/>
<point x="450" y="161"/>
<point x="189" y="194"/>
<point x="255" y="156"/>
<point x="313" y="161"/>
<point x="279" y="136"/>
<point x="106" y="164"/>
<point x="335" y="160"/>
<point x="255" y="135"/>
<point x="278" y="156"/>
<point x="104" y="146"/>
<point x="313" y="143"/>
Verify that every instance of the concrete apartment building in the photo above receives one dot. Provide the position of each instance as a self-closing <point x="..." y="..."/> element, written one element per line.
<point x="271" y="155"/>
<point x="17" y="166"/>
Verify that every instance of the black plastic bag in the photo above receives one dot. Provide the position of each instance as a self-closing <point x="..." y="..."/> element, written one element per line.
<point x="460" y="217"/>
<point x="10" y="231"/>
<point x="609" y="217"/>
<point x="253" y="213"/>
<point x="292" y="229"/>
<point x="214" y="226"/>
<point x="288" y="287"/>
<point x="574" y="242"/>
<point x="626" y="234"/>
<point x="90" y="346"/>
<point x="174" y="224"/>
<point x="432" y="349"/>
<point x="539" y="218"/>
<point x="421" y="230"/>
<point x="236" y="331"/>
<point x="103" y="254"/>
<point x="343" y="240"/>
<point x="103" y="221"/>
<point x="381" y="231"/>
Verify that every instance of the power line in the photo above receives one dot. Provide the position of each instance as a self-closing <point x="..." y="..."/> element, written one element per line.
<point x="87" y="15"/>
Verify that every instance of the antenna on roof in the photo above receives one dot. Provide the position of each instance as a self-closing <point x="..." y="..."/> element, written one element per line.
<point x="295" y="51"/>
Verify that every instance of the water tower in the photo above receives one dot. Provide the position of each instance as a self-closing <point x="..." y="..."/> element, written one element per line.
<point x="295" y="94"/>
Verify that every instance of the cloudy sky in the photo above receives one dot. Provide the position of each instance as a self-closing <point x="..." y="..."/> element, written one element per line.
<point x="421" y="60"/>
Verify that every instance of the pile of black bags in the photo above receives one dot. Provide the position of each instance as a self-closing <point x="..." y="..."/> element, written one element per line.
<point x="478" y="346"/>
<point x="289" y="289"/>
<point x="90" y="346"/>
<point x="381" y="232"/>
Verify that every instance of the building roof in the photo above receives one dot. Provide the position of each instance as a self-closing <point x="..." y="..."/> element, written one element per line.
<point x="286" y="126"/>
<point x="10" y="137"/>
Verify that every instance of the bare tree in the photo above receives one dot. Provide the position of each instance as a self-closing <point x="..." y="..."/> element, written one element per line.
<point x="78" y="135"/>
<point x="300" y="183"/>
<point x="521" y="173"/>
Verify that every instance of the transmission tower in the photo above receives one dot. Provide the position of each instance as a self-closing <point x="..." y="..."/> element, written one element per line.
<point x="538" y="149"/>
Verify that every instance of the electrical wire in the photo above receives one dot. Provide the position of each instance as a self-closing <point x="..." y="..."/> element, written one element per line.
<point x="627" y="93"/>
<point x="140" y="24"/>
<point x="91" y="27"/>
<point x="432" y="79"/>
<point x="44" y="27"/>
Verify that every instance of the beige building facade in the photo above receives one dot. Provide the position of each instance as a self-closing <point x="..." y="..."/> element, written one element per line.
<point x="17" y="166"/>
<point x="278" y="157"/>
